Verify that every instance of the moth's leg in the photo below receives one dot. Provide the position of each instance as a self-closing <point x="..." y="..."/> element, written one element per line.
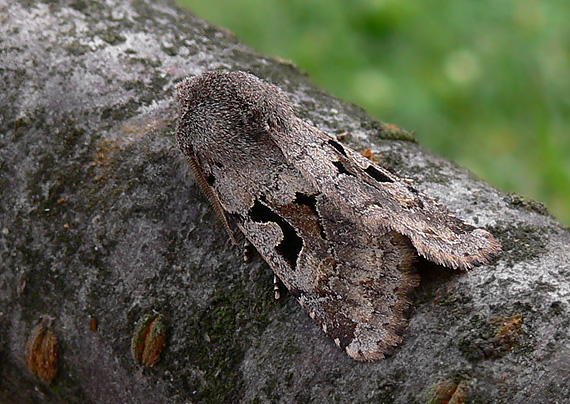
<point x="212" y="197"/>
<point x="276" y="283"/>
<point x="248" y="251"/>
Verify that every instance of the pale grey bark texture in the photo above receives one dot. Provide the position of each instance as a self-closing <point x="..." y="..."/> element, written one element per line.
<point x="100" y="218"/>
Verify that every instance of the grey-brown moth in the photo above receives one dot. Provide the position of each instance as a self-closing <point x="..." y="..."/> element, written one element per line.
<point x="339" y="231"/>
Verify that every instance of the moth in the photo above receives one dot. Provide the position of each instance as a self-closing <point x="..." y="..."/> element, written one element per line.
<point x="338" y="230"/>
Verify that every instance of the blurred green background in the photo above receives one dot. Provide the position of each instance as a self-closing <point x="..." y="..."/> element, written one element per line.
<point x="484" y="83"/>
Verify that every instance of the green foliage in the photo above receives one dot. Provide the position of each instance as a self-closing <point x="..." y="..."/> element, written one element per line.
<point x="484" y="83"/>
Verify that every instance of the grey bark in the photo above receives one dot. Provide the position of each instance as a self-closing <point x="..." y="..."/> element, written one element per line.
<point x="100" y="218"/>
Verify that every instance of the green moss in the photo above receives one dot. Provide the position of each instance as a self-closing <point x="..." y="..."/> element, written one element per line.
<point x="390" y="131"/>
<point x="170" y="50"/>
<point x="291" y="348"/>
<point x="271" y="390"/>
<point x="221" y="336"/>
<point x="79" y="5"/>
<point x="113" y="38"/>
<point x="525" y="203"/>
<point x="522" y="242"/>
<point x="430" y="172"/>
<point x="120" y="113"/>
<point x="150" y="63"/>
<point x="492" y="338"/>
<point x="77" y="49"/>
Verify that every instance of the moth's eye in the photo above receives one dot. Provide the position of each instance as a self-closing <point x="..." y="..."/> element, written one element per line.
<point x="254" y="117"/>
<point x="254" y="124"/>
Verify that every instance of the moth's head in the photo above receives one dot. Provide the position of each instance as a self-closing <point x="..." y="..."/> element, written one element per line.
<point x="218" y="110"/>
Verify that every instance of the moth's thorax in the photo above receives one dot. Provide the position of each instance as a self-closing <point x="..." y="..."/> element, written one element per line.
<point x="230" y="115"/>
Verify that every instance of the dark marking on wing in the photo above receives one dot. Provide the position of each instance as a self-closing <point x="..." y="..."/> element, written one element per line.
<point x="338" y="147"/>
<point x="290" y="247"/>
<point x="377" y="174"/>
<point x="341" y="168"/>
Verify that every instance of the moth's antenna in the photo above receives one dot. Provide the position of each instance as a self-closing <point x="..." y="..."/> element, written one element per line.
<point x="212" y="197"/>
